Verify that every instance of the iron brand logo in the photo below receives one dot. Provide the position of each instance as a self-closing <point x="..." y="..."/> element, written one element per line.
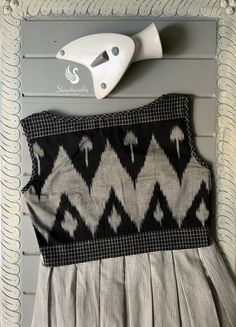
<point x="73" y="77"/>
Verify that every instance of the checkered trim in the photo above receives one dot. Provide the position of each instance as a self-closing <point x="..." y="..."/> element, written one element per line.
<point x="171" y="239"/>
<point x="193" y="148"/>
<point x="34" y="171"/>
<point x="167" y="106"/>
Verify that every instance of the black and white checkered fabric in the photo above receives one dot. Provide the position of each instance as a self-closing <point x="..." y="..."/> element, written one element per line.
<point x="166" y="107"/>
<point x="65" y="254"/>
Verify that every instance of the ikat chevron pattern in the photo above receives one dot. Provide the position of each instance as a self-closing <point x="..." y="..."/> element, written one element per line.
<point x="68" y="206"/>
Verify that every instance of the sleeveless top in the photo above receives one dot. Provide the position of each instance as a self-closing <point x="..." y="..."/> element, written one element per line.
<point x="113" y="184"/>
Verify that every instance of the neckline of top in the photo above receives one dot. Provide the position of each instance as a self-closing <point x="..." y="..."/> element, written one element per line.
<point x="109" y="114"/>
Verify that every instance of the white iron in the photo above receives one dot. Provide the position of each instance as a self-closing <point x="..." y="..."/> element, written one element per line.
<point x="108" y="55"/>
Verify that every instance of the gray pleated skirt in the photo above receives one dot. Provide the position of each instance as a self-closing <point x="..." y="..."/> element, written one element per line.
<point x="187" y="288"/>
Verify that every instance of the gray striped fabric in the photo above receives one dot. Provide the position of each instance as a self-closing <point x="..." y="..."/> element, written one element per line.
<point x="187" y="288"/>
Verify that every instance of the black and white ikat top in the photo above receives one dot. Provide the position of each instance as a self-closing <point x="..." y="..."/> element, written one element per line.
<point x="121" y="183"/>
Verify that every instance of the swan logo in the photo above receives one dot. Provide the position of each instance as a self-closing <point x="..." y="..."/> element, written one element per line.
<point x="72" y="77"/>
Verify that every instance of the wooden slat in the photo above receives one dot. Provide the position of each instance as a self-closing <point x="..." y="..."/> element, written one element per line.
<point x="27" y="309"/>
<point x="180" y="38"/>
<point x="30" y="265"/>
<point x="29" y="243"/>
<point x="206" y="148"/>
<point x="44" y="77"/>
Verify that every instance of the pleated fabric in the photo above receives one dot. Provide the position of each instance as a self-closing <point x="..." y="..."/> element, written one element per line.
<point x="187" y="288"/>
